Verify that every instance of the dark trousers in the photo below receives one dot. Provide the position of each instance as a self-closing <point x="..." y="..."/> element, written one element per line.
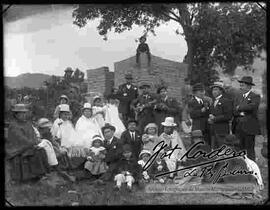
<point x="217" y="140"/>
<point x="247" y="142"/>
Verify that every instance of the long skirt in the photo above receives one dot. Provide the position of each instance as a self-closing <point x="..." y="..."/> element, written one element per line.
<point x="33" y="163"/>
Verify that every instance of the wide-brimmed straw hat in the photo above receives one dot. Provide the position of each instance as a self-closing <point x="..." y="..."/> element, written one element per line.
<point x="20" y="108"/>
<point x="44" y="123"/>
<point x="87" y="106"/>
<point x="144" y="85"/>
<point x="169" y="122"/>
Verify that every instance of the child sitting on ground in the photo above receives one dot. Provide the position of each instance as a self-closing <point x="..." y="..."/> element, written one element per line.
<point x="158" y="166"/>
<point x="144" y="157"/>
<point x="128" y="170"/>
<point x="95" y="161"/>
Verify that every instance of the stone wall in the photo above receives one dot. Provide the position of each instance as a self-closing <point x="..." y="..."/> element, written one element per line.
<point x="161" y="70"/>
<point x="100" y="80"/>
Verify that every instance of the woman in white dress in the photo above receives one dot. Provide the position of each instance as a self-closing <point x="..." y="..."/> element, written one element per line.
<point x="63" y="128"/>
<point x="87" y="127"/>
<point x="98" y="111"/>
<point x="112" y="116"/>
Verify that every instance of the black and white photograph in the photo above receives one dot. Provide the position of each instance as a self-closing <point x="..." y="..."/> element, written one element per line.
<point x="135" y="104"/>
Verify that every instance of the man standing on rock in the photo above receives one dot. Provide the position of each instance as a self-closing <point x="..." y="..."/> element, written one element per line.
<point x="126" y="93"/>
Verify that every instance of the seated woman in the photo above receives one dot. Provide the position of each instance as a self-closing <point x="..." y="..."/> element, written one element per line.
<point x="86" y="126"/>
<point x="62" y="161"/>
<point x="112" y="115"/>
<point x="150" y="138"/>
<point x="25" y="158"/>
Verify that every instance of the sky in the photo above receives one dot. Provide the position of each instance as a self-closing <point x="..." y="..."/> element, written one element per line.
<point x="43" y="39"/>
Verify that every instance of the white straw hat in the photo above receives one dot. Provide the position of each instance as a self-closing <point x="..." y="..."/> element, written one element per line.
<point x="64" y="108"/>
<point x="169" y="121"/>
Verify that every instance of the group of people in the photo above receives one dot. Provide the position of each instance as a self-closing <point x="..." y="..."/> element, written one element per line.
<point x="114" y="141"/>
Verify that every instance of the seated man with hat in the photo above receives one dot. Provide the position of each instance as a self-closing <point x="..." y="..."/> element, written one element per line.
<point x="113" y="152"/>
<point x="245" y="124"/>
<point x="132" y="137"/>
<point x="171" y="138"/>
<point x="220" y="114"/>
<point x="126" y="93"/>
<point x="25" y="158"/>
<point x="143" y="107"/>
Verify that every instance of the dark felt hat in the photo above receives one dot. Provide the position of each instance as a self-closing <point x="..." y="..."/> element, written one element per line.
<point x="197" y="87"/>
<point x="219" y="84"/>
<point x="130" y="120"/>
<point x="128" y="76"/>
<point x="247" y="79"/>
<point x="143" y="85"/>
<point x="160" y="88"/>
<point x="106" y="126"/>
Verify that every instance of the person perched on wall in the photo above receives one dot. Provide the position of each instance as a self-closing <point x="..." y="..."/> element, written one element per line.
<point x="143" y="48"/>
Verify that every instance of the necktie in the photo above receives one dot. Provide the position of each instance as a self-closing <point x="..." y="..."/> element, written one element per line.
<point x="132" y="136"/>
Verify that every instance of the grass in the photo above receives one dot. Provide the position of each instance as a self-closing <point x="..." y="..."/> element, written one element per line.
<point x="55" y="193"/>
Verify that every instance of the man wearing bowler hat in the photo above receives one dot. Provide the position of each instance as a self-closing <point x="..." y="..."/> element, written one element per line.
<point x="126" y="93"/>
<point x="220" y="114"/>
<point x="199" y="111"/>
<point x="245" y="123"/>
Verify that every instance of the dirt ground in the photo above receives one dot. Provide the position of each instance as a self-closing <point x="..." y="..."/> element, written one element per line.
<point x="56" y="192"/>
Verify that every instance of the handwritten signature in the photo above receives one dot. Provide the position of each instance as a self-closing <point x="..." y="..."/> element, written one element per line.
<point x="218" y="155"/>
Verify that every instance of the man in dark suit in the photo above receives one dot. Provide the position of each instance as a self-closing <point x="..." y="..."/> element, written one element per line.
<point x="113" y="151"/>
<point x="132" y="137"/>
<point x="245" y="123"/>
<point x="143" y="107"/>
<point x="126" y="93"/>
<point x="166" y="107"/>
<point x="220" y="114"/>
<point x="199" y="110"/>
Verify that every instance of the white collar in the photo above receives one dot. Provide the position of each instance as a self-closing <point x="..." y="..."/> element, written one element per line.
<point x="164" y="99"/>
<point x="217" y="98"/>
<point x="246" y="94"/>
<point x="128" y="86"/>
<point x="110" y="140"/>
<point x="198" y="99"/>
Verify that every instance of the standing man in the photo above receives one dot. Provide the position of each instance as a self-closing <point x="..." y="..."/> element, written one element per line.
<point x="199" y="110"/>
<point x="166" y="107"/>
<point x="143" y="107"/>
<point x="245" y="123"/>
<point x="220" y="116"/>
<point x="126" y="93"/>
